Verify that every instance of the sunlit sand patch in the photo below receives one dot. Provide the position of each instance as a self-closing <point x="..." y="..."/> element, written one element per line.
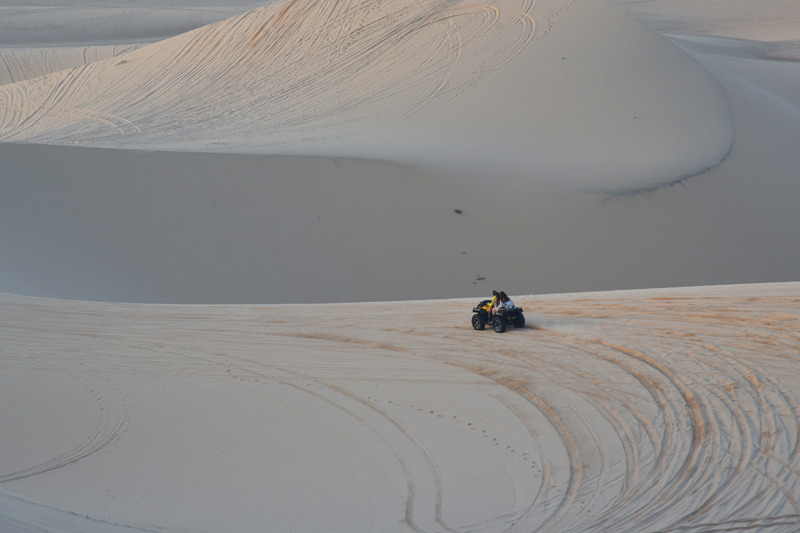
<point x="290" y="69"/>
<point x="671" y="414"/>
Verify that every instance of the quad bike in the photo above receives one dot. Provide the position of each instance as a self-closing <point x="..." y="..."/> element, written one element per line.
<point x="500" y="320"/>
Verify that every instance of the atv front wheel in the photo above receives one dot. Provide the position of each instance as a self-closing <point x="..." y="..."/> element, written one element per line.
<point x="519" y="321"/>
<point x="499" y="324"/>
<point x="477" y="321"/>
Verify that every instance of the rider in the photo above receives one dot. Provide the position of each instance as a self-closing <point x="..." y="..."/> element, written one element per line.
<point x="500" y="301"/>
<point x="503" y="301"/>
<point x="488" y="307"/>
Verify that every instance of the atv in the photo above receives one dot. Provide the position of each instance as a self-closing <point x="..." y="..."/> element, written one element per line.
<point x="500" y="320"/>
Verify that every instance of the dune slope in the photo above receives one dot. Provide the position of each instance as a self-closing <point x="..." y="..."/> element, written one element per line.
<point x="576" y="171"/>
<point x="114" y="225"/>
<point x="671" y="410"/>
<point x="446" y="84"/>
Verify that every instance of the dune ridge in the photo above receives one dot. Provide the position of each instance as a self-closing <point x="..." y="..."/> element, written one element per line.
<point x="20" y="65"/>
<point x="403" y="83"/>
<point x="341" y="59"/>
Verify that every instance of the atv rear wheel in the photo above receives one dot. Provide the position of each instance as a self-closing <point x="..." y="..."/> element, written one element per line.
<point x="499" y="324"/>
<point x="477" y="321"/>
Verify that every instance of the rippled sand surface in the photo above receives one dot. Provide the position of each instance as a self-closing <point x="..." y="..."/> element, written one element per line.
<point x="663" y="410"/>
<point x="157" y="162"/>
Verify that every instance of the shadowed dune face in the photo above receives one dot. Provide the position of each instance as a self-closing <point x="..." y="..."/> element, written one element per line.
<point x="776" y="20"/>
<point x="57" y="24"/>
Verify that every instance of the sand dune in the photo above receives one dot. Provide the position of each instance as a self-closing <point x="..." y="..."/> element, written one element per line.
<point x="403" y="83"/>
<point x="228" y="228"/>
<point x="581" y="147"/>
<point x="671" y="410"/>
<point x="311" y="151"/>
<point x="20" y="65"/>
<point x="773" y="21"/>
<point x="62" y="25"/>
<point x="39" y="40"/>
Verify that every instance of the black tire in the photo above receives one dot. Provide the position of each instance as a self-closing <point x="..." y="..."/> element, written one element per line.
<point x="519" y="321"/>
<point x="477" y="321"/>
<point x="499" y="324"/>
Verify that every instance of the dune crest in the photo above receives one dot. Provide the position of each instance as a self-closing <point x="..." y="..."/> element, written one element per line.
<point x="587" y="99"/>
<point x="286" y="71"/>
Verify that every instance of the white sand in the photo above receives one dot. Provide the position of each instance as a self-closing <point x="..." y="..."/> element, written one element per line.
<point x="771" y="21"/>
<point x="666" y="410"/>
<point x="37" y="40"/>
<point x="306" y="152"/>
<point x="469" y="91"/>
<point x="576" y="171"/>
